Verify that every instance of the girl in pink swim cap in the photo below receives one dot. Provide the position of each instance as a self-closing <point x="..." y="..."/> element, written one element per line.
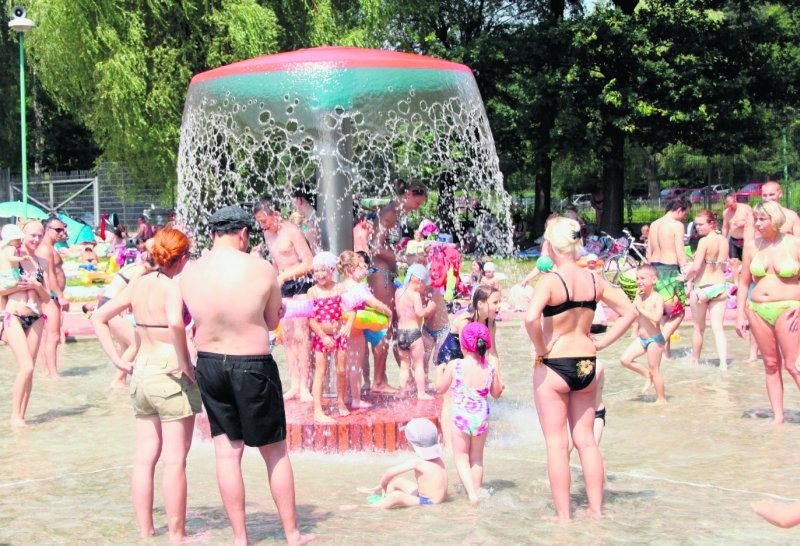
<point x="470" y="380"/>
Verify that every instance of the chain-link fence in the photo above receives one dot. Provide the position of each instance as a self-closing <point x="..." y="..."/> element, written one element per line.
<point x="84" y="195"/>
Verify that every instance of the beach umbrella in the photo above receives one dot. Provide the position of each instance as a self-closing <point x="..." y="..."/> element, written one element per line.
<point x="16" y="208"/>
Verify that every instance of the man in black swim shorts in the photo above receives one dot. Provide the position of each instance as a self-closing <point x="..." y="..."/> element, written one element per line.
<point x="237" y="375"/>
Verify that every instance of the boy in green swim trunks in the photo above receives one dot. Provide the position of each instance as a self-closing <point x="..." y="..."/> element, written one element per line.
<point x="650" y="341"/>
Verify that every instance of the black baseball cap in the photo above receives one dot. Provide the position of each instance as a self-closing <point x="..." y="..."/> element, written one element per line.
<point x="231" y="218"/>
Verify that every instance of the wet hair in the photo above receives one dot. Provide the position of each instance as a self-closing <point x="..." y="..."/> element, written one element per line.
<point x="365" y="255"/>
<point x="481" y="347"/>
<point x="265" y="205"/>
<point x="678" y="203"/>
<point x="50" y="222"/>
<point x="481" y="295"/>
<point x="169" y="245"/>
<point x="773" y="211"/>
<point x="648" y="268"/>
<point x="303" y="191"/>
<point x="564" y="235"/>
<point x="415" y="187"/>
<point x="347" y="260"/>
<point x="710" y="217"/>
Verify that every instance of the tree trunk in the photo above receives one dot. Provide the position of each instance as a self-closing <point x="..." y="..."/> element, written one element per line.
<point x="544" y="181"/>
<point x="614" y="182"/>
<point x="651" y="175"/>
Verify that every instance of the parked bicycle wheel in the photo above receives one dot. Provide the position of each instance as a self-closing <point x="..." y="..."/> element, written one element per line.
<point x="615" y="265"/>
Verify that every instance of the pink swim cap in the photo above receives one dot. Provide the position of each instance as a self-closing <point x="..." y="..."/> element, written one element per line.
<point x="470" y="335"/>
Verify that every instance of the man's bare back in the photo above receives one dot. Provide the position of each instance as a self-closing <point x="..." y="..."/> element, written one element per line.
<point x="234" y="301"/>
<point x="665" y="240"/>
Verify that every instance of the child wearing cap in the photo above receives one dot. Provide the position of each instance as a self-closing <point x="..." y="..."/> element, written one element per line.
<point x="10" y="261"/>
<point x="470" y="380"/>
<point x="411" y="310"/>
<point x="329" y="334"/>
<point x="430" y="486"/>
<point x="489" y="279"/>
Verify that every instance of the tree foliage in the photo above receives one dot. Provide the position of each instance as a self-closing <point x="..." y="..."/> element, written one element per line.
<point x="621" y="93"/>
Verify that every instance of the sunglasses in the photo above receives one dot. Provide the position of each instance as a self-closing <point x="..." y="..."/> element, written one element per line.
<point x="59" y="229"/>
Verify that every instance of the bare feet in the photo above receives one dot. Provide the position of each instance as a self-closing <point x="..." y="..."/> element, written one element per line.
<point x="291" y="394"/>
<point x="118" y="385"/>
<point x="648" y="384"/>
<point x="305" y="396"/>
<point x="424" y="396"/>
<point x="660" y="401"/>
<point x="360" y="404"/>
<point x="324" y="419"/>
<point x="383" y="388"/>
<point x="343" y="411"/>
<point x="295" y="539"/>
<point x="474" y="501"/>
<point x="16" y="422"/>
<point x="204" y="536"/>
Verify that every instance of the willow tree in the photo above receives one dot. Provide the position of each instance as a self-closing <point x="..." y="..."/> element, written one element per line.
<point x="123" y="68"/>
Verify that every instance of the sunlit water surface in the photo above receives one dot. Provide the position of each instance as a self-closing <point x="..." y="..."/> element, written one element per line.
<point x="684" y="473"/>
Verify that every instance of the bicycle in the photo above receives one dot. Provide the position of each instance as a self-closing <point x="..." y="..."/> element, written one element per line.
<point x="625" y="254"/>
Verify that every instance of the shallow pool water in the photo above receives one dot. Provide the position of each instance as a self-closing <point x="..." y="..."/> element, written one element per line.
<point x="682" y="473"/>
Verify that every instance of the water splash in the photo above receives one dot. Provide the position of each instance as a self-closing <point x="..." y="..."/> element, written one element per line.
<point x="359" y="118"/>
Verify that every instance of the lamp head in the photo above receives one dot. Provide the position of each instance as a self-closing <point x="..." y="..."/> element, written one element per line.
<point x="18" y="21"/>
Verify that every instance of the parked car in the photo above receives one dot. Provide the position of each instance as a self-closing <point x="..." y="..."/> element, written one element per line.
<point x="698" y="195"/>
<point x="753" y="189"/>
<point x="722" y="189"/>
<point x="669" y="193"/>
<point x="582" y="201"/>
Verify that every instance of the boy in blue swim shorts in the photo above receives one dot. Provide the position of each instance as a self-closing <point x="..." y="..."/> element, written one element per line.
<point x="650" y="341"/>
<point x="430" y="486"/>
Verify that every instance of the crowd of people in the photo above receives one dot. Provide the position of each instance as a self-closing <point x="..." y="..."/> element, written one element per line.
<point x="168" y="326"/>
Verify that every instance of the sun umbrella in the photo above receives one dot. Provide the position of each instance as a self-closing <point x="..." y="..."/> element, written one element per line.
<point x="15" y="208"/>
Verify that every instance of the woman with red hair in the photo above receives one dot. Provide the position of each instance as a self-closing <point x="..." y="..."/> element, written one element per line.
<point x="164" y="394"/>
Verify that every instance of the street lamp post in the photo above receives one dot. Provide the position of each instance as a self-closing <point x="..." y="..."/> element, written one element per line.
<point x="22" y="24"/>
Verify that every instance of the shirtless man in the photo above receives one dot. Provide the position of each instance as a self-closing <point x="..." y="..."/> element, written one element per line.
<point x="291" y="256"/>
<point x="665" y="251"/>
<point x="771" y="191"/>
<point x="735" y="218"/>
<point x="362" y="233"/>
<point x="304" y="202"/>
<point x="55" y="231"/>
<point x="385" y="237"/>
<point x="243" y="408"/>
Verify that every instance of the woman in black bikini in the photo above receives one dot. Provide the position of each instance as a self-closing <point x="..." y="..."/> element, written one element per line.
<point x="564" y="372"/>
<point x="385" y="237"/>
<point x="21" y="327"/>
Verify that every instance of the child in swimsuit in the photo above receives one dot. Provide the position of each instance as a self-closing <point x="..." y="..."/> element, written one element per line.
<point x="650" y="340"/>
<point x="430" y="486"/>
<point x="10" y="262"/>
<point x="470" y="381"/>
<point x="411" y="310"/>
<point x="329" y="334"/>
<point x="356" y="295"/>
<point x="436" y="326"/>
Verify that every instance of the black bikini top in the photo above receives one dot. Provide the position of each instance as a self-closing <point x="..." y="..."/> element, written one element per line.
<point x="39" y="273"/>
<point x="551" y="310"/>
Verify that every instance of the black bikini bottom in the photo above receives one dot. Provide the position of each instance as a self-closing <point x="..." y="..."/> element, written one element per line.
<point x="578" y="372"/>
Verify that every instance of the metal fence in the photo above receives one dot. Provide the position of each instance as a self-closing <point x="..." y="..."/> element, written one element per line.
<point x="82" y="195"/>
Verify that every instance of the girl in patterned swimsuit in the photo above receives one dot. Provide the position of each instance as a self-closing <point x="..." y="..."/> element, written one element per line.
<point x="470" y="380"/>
<point x="329" y="333"/>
